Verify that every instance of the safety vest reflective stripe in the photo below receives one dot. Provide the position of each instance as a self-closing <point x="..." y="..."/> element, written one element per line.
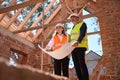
<point x="75" y="33"/>
<point x="77" y="39"/>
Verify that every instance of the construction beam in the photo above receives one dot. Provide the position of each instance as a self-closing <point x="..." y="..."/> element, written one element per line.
<point x="40" y="17"/>
<point x="4" y="14"/>
<point x="91" y="33"/>
<point x="47" y="21"/>
<point x="83" y="8"/>
<point x="54" y="23"/>
<point x="13" y="18"/>
<point x="1" y="1"/>
<point x="17" y="6"/>
<point x="40" y="27"/>
<point x="28" y="16"/>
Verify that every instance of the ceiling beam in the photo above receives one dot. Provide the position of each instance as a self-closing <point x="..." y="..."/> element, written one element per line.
<point x="40" y="17"/>
<point x="28" y="16"/>
<point x="4" y="14"/>
<point x="54" y="23"/>
<point x="1" y="1"/>
<point x="17" y="6"/>
<point x="39" y="27"/>
<point x="13" y="18"/>
<point x="47" y="21"/>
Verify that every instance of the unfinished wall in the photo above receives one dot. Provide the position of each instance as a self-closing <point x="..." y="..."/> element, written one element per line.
<point x="109" y="18"/>
<point x="107" y="12"/>
<point x="21" y="72"/>
<point x="10" y="42"/>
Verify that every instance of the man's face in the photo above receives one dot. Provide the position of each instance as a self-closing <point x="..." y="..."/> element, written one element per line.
<point x="74" y="19"/>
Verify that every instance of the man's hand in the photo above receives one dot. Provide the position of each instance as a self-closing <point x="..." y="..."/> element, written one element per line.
<point x="75" y="44"/>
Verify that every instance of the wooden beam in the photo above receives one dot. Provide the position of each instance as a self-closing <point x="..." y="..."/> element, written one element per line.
<point x="89" y="15"/>
<point x="39" y="27"/>
<point x="13" y="18"/>
<point x="17" y="6"/>
<point x="91" y="33"/>
<point x="40" y="17"/>
<point x="10" y="4"/>
<point x="48" y="21"/>
<point x="83" y="8"/>
<point x="69" y="9"/>
<point x="65" y="21"/>
<point x="28" y="16"/>
<point x="1" y="1"/>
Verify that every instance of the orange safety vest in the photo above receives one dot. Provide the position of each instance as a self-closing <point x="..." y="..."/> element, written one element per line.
<point x="58" y="43"/>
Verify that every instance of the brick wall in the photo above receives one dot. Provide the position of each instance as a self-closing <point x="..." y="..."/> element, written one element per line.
<point x="108" y="13"/>
<point x="22" y="72"/>
<point x="109" y="18"/>
<point x="9" y="41"/>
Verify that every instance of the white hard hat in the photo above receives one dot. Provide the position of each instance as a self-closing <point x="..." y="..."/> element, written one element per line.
<point x="59" y="24"/>
<point x="73" y="14"/>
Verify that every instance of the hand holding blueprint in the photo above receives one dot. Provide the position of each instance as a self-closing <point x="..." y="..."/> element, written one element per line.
<point x="60" y="53"/>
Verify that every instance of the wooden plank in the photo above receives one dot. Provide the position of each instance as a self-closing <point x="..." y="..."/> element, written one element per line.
<point x="40" y="27"/>
<point x="40" y="17"/>
<point x="10" y="4"/>
<point x="1" y="1"/>
<point x="17" y="6"/>
<point x="65" y="21"/>
<point x="28" y="16"/>
<point x="13" y="18"/>
<point x="48" y="21"/>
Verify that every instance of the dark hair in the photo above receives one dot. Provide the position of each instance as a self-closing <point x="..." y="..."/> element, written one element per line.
<point x="63" y="32"/>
